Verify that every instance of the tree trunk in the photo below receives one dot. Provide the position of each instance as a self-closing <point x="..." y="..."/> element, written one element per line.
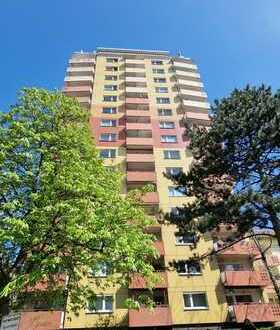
<point x="4" y="307"/>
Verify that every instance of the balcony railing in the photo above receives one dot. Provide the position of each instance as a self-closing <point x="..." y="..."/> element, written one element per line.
<point x="137" y="113"/>
<point x="187" y="74"/>
<point x="197" y="115"/>
<point x="152" y="198"/>
<point x="140" y="158"/>
<point x="140" y="176"/>
<point x="245" y="278"/>
<point x="135" y="79"/>
<point x="130" y="89"/>
<point x="185" y="65"/>
<point x="255" y="312"/>
<point x="136" y="100"/>
<point x="139" y="142"/>
<point x="138" y="126"/>
<point x="186" y="82"/>
<point x="196" y="104"/>
<point x="88" y="78"/>
<point x="159" y="316"/>
<point x="40" y="320"/>
<point x="238" y="249"/>
<point x="138" y="282"/>
<point x="77" y="90"/>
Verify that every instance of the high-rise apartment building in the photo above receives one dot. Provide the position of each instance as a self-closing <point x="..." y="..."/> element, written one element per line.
<point x="139" y="102"/>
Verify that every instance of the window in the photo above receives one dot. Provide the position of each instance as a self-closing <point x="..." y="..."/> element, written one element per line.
<point x="158" y="71"/>
<point x="107" y="77"/>
<point x="110" y="87"/>
<point x="166" y="124"/>
<point x="171" y="154"/>
<point x="108" y="153"/>
<point x="159" y="80"/>
<point x="164" y="112"/>
<point x="108" y="123"/>
<point x="109" y="98"/>
<point x="109" y="110"/>
<point x="108" y="137"/>
<point x="157" y="62"/>
<point x="168" y="138"/>
<point x="111" y="60"/>
<point x="163" y="100"/>
<point x="195" y="300"/>
<point x="174" y="170"/>
<point x="176" y="191"/>
<point x="188" y="268"/>
<point x="100" y="304"/>
<point x="111" y="68"/>
<point x="101" y="270"/>
<point x="184" y="238"/>
<point x="161" y="90"/>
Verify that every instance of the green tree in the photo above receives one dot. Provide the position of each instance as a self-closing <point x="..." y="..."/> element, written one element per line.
<point x="235" y="174"/>
<point x="61" y="211"/>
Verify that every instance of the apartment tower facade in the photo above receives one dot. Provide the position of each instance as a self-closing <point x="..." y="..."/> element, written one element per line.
<point x="139" y="102"/>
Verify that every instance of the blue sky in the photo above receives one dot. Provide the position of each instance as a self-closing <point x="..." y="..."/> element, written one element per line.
<point x="234" y="42"/>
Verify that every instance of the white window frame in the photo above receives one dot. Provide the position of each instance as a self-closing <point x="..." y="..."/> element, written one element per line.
<point x="187" y="272"/>
<point x="182" y="243"/>
<point x="191" y="300"/>
<point x="111" y="111"/>
<point x="112" y="98"/>
<point x="167" y="124"/>
<point x="175" y="192"/>
<point x="158" y="71"/>
<point x="111" y="123"/>
<point x="102" y="270"/>
<point x="168" y="139"/>
<point x="110" y="88"/>
<point x="173" y="170"/>
<point x="112" y="60"/>
<point x="169" y="152"/>
<point x="111" y="76"/>
<point x="157" y="62"/>
<point x="111" y="153"/>
<point x="163" y="100"/>
<point x="159" y="80"/>
<point x="103" y="310"/>
<point x="112" y="137"/>
<point x="161" y="90"/>
<point x="160" y="111"/>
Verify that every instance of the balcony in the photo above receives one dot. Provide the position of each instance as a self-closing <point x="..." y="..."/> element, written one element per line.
<point x="137" y="113"/>
<point x="140" y="176"/>
<point x="196" y="104"/>
<point x="88" y="78"/>
<point x="193" y="93"/>
<point x="185" y="65"/>
<point x="186" y="82"/>
<point x="134" y="142"/>
<point x="238" y="249"/>
<point x="83" y="69"/>
<point x="138" y="126"/>
<point x="135" y="79"/>
<point x="129" y="89"/>
<point x="40" y="320"/>
<point x="136" y="100"/>
<point x="140" y="158"/>
<point x="138" y="282"/>
<point x="152" y="198"/>
<point x="197" y="115"/>
<point x="135" y="69"/>
<point x="134" y="61"/>
<point x="245" y="278"/>
<point x="77" y="90"/>
<point x="187" y="74"/>
<point x="82" y="59"/>
<point x="255" y="312"/>
<point x="158" y="244"/>
<point x="159" y="316"/>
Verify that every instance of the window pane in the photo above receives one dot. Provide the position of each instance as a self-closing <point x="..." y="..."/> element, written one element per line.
<point x="199" y="300"/>
<point x="187" y="300"/>
<point x="108" y="303"/>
